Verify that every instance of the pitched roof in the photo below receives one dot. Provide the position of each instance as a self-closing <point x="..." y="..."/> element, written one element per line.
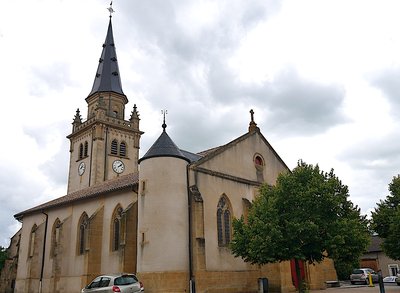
<point x="375" y="245"/>
<point x="107" y="75"/>
<point x="119" y="183"/>
<point x="207" y="152"/>
<point x="211" y="153"/>
<point x="191" y="156"/>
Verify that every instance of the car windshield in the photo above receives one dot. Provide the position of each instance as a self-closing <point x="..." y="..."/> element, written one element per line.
<point x="125" y="280"/>
<point x="358" y="272"/>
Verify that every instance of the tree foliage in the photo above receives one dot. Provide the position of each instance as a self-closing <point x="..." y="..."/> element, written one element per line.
<point x="3" y="256"/>
<point x="305" y="216"/>
<point x="386" y="220"/>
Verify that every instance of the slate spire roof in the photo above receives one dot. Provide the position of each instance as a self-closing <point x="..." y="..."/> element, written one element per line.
<point x="164" y="147"/>
<point x="107" y="75"/>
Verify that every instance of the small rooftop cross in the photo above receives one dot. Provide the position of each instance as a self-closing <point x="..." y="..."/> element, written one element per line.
<point x="252" y="125"/>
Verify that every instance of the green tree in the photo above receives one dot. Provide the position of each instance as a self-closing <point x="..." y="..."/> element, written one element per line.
<point x="305" y="216"/>
<point x="386" y="220"/>
<point x="3" y="256"/>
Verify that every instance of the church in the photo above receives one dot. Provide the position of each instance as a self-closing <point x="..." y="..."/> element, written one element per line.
<point x="166" y="216"/>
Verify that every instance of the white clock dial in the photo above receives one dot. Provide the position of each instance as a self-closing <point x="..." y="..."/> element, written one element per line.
<point x="118" y="166"/>
<point x="81" y="168"/>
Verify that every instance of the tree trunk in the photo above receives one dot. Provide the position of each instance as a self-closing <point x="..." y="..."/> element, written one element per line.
<point x="300" y="281"/>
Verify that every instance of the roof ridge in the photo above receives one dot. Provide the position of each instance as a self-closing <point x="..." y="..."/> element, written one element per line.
<point x="88" y="192"/>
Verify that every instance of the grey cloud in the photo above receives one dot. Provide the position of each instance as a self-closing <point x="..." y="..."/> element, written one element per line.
<point x="388" y="82"/>
<point x="304" y="107"/>
<point x="290" y="104"/>
<point x="13" y="197"/>
<point x="55" y="166"/>
<point x="380" y="155"/>
<point x="207" y="128"/>
<point x="295" y="105"/>
<point x="159" y="27"/>
<point x="54" y="77"/>
<point x="375" y="162"/>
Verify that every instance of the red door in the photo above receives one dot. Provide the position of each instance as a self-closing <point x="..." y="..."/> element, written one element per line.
<point x="294" y="275"/>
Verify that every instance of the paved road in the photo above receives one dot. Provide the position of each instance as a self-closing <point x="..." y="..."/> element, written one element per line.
<point x="389" y="288"/>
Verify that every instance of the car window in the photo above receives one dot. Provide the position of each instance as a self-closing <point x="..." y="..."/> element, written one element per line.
<point x="356" y="271"/>
<point x="95" y="283"/>
<point x="125" y="280"/>
<point x="104" y="282"/>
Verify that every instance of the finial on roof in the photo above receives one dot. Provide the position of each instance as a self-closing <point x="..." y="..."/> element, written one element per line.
<point x="134" y="113"/>
<point x="164" y="112"/>
<point x="77" y="118"/>
<point x="110" y="9"/>
<point x="135" y="118"/>
<point x="252" y="125"/>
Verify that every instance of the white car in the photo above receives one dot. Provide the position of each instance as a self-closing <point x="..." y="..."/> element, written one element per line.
<point x="362" y="276"/>
<point x="123" y="283"/>
<point x="390" y="279"/>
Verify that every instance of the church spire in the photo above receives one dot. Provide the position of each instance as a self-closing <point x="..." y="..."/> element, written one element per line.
<point x="107" y="75"/>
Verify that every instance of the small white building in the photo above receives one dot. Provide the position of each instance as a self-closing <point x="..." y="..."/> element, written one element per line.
<point x="376" y="259"/>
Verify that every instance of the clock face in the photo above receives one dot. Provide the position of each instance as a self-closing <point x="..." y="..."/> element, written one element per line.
<point x="81" y="168"/>
<point x="118" y="166"/>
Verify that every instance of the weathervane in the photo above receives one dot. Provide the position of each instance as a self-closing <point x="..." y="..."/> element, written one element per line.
<point x="164" y="112"/>
<point x="110" y="9"/>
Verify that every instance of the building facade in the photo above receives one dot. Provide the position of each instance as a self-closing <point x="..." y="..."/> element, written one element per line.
<point x="376" y="259"/>
<point x="8" y="273"/>
<point x="170" y="222"/>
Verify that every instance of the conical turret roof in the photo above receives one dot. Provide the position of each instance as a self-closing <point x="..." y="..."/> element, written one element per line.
<point x="107" y="75"/>
<point x="164" y="147"/>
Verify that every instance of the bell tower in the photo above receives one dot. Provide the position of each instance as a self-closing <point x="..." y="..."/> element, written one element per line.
<point x="104" y="145"/>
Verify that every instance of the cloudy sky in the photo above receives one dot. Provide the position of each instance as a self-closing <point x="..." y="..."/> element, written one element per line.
<point x="321" y="75"/>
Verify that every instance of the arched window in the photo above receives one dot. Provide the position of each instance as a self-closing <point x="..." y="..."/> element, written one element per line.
<point x="114" y="147"/>
<point x="246" y="209"/>
<point x="122" y="149"/>
<point x="116" y="229"/>
<point x="55" y="237"/>
<point x="224" y="221"/>
<point x="80" y="151"/>
<point x="116" y="236"/>
<point x="258" y="161"/>
<point x="86" y="149"/>
<point x="83" y="233"/>
<point x="32" y="241"/>
<point x="259" y="164"/>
